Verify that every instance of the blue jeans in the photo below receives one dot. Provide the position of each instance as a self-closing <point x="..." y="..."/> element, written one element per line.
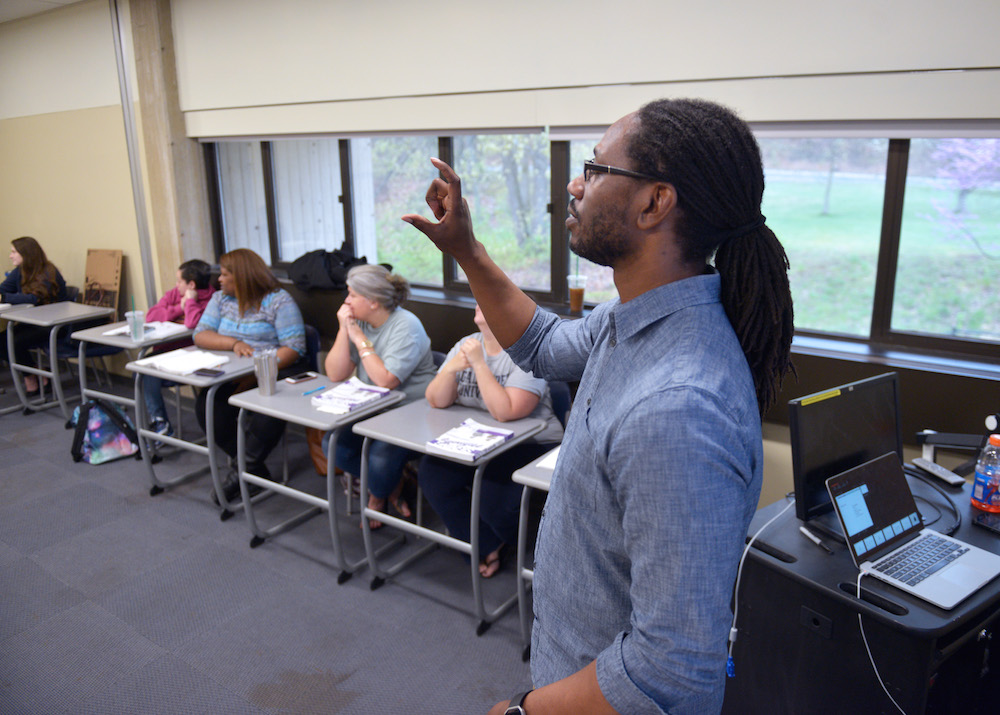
<point x="152" y="388"/>
<point x="385" y="461"/>
<point x="448" y="487"/>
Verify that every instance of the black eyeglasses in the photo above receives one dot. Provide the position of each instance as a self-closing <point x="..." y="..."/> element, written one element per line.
<point x="592" y="167"/>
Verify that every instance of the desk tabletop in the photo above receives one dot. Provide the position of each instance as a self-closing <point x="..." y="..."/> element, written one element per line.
<point x="236" y="367"/>
<point x="4" y="307"/>
<point x="293" y="403"/>
<point x="414" y="424"/>
<point x="534" y="475"/>
<point x="783" y="547"/>
<point x="98" y="334"/>
<point x="56" y="313"/>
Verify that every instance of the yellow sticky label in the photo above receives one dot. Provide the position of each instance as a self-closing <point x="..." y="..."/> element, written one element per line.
<point x="820" y="397"/>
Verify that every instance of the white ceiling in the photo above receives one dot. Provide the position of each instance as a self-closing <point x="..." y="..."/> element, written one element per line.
<point x="14" y="9"/>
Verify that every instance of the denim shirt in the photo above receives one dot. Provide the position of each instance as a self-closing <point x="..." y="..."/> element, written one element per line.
<point x="657" y="479"/>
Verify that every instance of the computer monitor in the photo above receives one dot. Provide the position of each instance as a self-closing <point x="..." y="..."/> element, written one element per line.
<point x="838" y="429"/>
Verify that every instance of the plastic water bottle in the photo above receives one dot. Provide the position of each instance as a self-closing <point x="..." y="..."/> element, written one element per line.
<point x="986" y="487"/>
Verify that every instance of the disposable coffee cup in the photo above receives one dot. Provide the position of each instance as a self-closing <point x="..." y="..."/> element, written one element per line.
<point x="577" y="284"/>
<point x="265" y="367"/>
<point x="136" y="320"/>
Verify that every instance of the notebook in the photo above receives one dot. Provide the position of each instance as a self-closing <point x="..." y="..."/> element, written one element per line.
<point x="880" y="519"/>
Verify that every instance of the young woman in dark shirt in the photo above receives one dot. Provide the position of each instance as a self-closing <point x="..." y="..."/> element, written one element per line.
<point x="36" y="281"/>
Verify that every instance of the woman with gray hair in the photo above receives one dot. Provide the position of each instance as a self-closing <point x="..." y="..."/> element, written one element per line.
<point x="388" y="347"/>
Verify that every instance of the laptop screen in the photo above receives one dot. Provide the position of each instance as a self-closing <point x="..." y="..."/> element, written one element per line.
<point x="875" y="507"/>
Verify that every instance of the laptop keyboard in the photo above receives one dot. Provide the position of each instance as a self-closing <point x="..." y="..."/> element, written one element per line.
<point x="920" y="559"/>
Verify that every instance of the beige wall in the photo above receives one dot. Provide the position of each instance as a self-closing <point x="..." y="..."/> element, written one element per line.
<point x="257" y="67"/>
<point x="65" y="177"/>
<point x="66" y="182"/>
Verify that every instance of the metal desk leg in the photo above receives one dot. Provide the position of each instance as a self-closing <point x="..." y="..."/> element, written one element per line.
<point x="486" y="618"/>
<point x="146" y="436"/>
<point x="54" y="373"/>
<point x="81" y="359"/>
<point x="16" y="370"/>
<point x="15" y="375"/>
<point x="378" y="575"/>
<point x="271" y="488"/>
<point x="524" y="575"/>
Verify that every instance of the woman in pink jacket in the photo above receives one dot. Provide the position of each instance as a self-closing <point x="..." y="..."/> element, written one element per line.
<point x="184" y="303"/>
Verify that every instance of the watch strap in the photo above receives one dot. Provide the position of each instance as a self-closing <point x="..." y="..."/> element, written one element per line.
<point x="516" y="706"/>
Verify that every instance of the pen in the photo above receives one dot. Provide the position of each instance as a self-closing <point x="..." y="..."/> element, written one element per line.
<point x="315" y="389"/>
<point x="815" y="539"/>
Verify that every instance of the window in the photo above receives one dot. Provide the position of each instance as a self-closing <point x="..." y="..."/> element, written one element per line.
<point x="390" y="176"/>
<point x="505" y="179"/>
<point x="307" y="196"/>
<point x="949" y="247"/>
<point x="892" y="242"/>
<point x="823" y="200"/>
<point x="241" y="192"/>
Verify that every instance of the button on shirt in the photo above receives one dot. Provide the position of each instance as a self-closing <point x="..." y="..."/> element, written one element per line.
<point x="658" y="477"/>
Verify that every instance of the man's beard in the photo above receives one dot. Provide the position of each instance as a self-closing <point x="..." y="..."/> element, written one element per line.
<point x="602" y="241"/>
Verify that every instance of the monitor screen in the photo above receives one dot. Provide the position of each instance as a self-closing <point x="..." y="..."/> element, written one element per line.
<point x="838" y="429"/>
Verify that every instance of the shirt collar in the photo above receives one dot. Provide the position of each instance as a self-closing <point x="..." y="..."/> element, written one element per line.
<point x="643" y="310"/>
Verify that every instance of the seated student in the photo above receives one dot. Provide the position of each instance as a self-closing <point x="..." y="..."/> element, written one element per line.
<point x="37" y="281"/>
<point x="251" y="311"/>
<point x="389" y="347"/>
<point x="184" y="303"/>
<point x="478" y="373"/>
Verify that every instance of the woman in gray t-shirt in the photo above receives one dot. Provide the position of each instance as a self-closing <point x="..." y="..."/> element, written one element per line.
<point x="478" y="373"/>
<point x="388" y="347"/>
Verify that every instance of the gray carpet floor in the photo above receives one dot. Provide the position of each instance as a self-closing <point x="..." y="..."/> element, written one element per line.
<point x="113" y="601"/>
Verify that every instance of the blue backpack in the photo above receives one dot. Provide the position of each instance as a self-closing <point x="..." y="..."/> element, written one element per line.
<point x="103" y="433"/>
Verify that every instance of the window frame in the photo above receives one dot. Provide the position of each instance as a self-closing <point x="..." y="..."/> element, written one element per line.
<point x="882" y="340"/>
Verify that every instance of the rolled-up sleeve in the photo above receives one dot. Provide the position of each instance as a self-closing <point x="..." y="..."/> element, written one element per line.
<point x="552" y="348"/>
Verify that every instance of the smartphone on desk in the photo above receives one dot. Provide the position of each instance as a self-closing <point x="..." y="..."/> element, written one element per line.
<point x="301" y="377"/>
<point x="209" y="372"/>
<point x="987" y="520"/>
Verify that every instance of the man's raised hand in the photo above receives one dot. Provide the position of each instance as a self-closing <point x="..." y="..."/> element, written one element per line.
<point x="452" y="234"/>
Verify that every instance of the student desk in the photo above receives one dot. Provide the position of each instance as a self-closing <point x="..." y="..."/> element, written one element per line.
<point x="799" y="648"/>
<point x="53" y="316"/>
<point x="411" y="426"/>
<point x="532" y="476"/>
<point x="3" y="309"/>
<point x="292" y="404"/>
<point x="236" y="367"/>
<point x="124" y="341"/>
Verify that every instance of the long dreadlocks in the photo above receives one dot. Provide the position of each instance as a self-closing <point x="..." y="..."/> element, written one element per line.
<point x="713" y="161"/>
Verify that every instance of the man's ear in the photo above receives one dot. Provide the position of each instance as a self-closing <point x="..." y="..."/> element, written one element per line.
<point x="661" y="203"/>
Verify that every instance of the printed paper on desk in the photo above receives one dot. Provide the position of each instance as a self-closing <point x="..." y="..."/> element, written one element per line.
<point x="549" y="460"/>
<point x="184" y="362"/>
<point x="155" y="329"/>
<point x="469" y="441"/>
<point x="347" y="396"/>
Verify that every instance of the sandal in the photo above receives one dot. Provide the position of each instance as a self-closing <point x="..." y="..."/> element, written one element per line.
<point x="491" y="565"/>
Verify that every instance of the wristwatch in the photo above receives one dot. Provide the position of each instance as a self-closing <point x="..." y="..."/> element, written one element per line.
<point x="516" y="706"/>
<point x="366" y="344"/>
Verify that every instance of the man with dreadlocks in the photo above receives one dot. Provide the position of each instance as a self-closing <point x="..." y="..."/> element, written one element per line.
<point x="660" y="468"/>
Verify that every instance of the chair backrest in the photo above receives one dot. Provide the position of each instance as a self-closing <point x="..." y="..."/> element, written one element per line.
<point x="72" y="294"/>
<point x="438" y="357"/>
<point x="561" y="400"/>
<point x="312" y="347"/>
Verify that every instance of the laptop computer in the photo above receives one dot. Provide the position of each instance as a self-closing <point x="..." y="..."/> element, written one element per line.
<point x="887" y="538"/>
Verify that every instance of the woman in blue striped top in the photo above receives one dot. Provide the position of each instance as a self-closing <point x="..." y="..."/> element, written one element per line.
<point x="251" y="311"/>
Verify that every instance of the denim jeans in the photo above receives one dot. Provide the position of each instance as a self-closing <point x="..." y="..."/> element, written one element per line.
<point x="385" y="461"/>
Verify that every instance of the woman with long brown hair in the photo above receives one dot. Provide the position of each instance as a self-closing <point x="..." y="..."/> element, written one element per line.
<point x="36" y="281"/>
<point x="251" y="311"/>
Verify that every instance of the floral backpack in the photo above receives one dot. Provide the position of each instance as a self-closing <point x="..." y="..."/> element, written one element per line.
<point x="103" y="432"/>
